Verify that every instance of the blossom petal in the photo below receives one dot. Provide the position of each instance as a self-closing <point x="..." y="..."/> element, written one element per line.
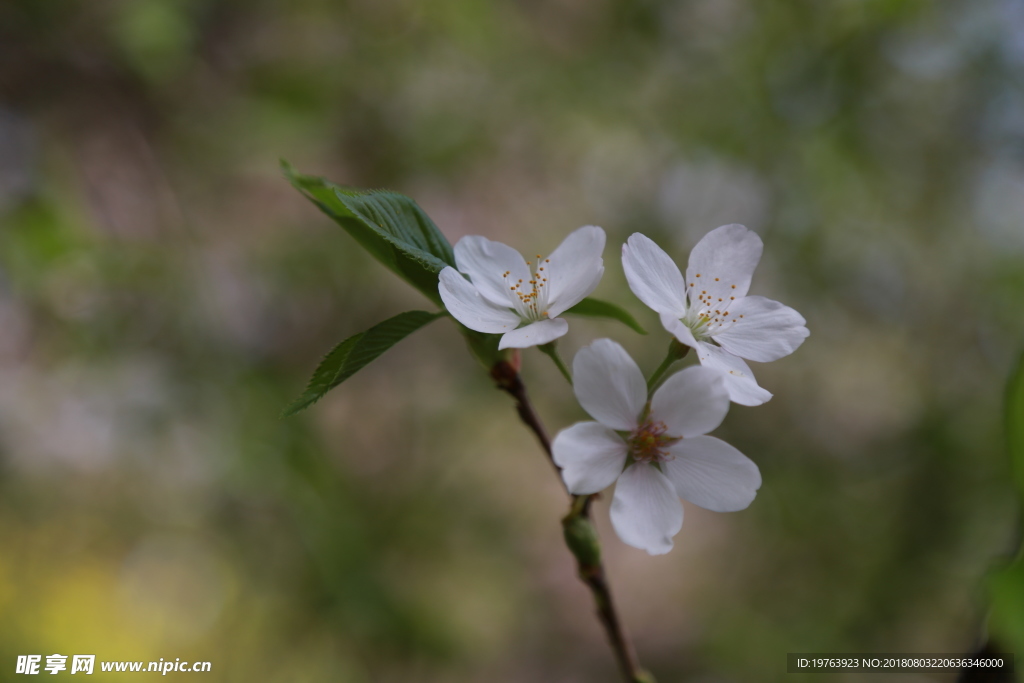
<point x="691" y="402"/>
<point x="609" y="385"/>
<point x="591" y="457"/>
<point x="486" y="263"/>
<point x="712" y="474"/>
<point x="761" y="329"/>
<point x="540" y="332"/>
<point x="646" y="511"/>
<point x="678" y="329"/>
<point x="653" y="276"/>
<point x="739" y="380"/>
<point x="721" y="266"/>
<point x="574" y="269"/>
<point x="472" y="310"/>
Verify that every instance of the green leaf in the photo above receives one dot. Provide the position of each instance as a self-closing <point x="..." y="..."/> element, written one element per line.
<point x="356" y="352"/>
<point x="1006" y="615"/>
<point x="595" y="308"/>
<point x="1006" y="583"/>
<point x="389" y="225"/>
<point x="1015" y="425"/>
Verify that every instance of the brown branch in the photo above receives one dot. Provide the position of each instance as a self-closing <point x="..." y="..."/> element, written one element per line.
<point x="508" y="380"/>
<point x="580" y="535"/>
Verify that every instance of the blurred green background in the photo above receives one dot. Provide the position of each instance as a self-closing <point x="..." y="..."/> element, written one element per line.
<point x="164" y="293"/>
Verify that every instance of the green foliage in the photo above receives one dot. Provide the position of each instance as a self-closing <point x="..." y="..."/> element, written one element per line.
<point x="595" y="308"/>
<point x="391" y="226"/>
<point x="1015" y="425"/>
<point x="399" y="234"/>
<point x="356" y="352"/>
<point x="156" y="37"/>
<point x="1006" y="592"/>
<point x="1006" y="586"/>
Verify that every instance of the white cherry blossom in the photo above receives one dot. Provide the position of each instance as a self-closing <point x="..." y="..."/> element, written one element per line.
<point x="710" y="310"/>
<point x="657" y="451"/>
<point x="520" y="300"/>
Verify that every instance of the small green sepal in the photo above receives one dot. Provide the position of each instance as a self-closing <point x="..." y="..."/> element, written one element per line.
<point x="581" y="537"/>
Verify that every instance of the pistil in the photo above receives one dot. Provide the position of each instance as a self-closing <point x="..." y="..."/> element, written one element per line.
<point x="649" y="443"/>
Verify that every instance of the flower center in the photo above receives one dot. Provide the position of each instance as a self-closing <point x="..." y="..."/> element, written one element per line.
<point x="708" y="313"/>
<point x="649" y="443"/>
<point x="530" y="298"/>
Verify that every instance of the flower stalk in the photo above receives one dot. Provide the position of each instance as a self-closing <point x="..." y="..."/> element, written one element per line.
<point x="579" y="532"/>
<point x="551" y="351"/>
<point x="581" y="538"/>
<point x="676" y="352"/>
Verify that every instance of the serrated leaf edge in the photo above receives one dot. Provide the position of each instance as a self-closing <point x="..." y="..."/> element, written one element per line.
<point x="304" y="401"/>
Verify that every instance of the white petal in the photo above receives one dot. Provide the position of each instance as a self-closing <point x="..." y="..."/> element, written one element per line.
<point x="573" y="297"/>
<point x="739" y="380"/>
<point x="678" y="329"/>
<point x="591" y="457"/>
<point x="721" y="265"/>
<point x="653" y="276"/>
<point x="712" y="474"/>
<point x="766" y="331"/>
<point x="486" y="263"/>
<point x="472" y="310"/>
<point x="691" y="402"/>
<point x="646" y="511"/>
<point x="540" y="332"/>
<point x="574" y="269"/>
<point x="609" y="385"/>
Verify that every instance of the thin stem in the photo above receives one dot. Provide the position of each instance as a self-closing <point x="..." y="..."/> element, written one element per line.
<point x="582" y="540"/>
<point x="507" y="379"/>
<point x="551" y="351"/>
<point x="580" y="535"/>
<point x="676" y="351"/>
